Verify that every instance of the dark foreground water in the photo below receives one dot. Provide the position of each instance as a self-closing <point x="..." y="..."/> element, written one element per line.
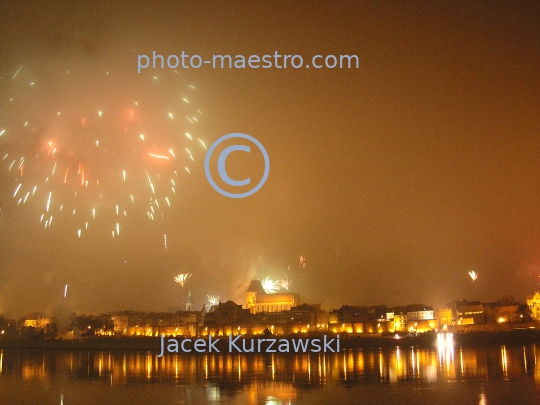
<point x="508" y="374"/>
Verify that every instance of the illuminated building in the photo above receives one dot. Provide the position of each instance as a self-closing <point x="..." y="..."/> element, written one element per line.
<point x="258" y="301"/>
<point x="417" y="318"/>
<point x="304" y="318"/>
<point x="507" y="313"/>
<point x="400" y="322"/>
<point x="468" y="313"/>
<point x="360" y="319"/>
<point x="37" y="322"/>
<point x="132" y="323"/>
<point x="228" y="318"/>
<point x="419" y="312"/>
<point x="444" y="318"/>
<point x="533" y="302"/>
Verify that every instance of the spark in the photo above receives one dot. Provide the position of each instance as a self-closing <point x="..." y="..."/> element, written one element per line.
<point x="159" y="156"/>
<point x="473" y="275"/>
<point x="16" y="73"/>
<point x="65" y="290"/>
<point x="17" y="190"/>
<point x="150" y="181"/>
<point x="49" y="201"/>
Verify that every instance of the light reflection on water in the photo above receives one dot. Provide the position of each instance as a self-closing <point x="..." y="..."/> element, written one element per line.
<point x="464" y="374"/>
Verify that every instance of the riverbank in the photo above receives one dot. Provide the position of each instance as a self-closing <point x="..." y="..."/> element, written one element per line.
<point x="522" y="336"/>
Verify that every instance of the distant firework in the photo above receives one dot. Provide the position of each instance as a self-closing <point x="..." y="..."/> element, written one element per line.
<point x="302" y="262"/>
<point x="285" y="283"/>
<point x="92" y="153"/>
<point x="181" y="278"/>
<point x="213" y="299"/>
<point x="473" y="275"/>
<point x="269" y="286"/>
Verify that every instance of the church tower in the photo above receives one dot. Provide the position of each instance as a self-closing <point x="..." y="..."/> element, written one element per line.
<point x="190" y="305"/>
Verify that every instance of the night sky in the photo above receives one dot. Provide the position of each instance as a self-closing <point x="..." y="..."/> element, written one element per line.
<point x="393" y="180"/>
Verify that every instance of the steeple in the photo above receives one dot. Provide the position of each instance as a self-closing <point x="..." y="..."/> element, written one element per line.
<point x="190" y="305"/>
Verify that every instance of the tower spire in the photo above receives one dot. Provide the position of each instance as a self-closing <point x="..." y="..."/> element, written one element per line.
<point x="190" y="305"/>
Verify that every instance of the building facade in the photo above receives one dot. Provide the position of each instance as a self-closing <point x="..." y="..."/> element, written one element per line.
<point x="258" y="301"/>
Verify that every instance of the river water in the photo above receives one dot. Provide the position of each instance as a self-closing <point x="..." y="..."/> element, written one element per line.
<point x="497" y="374"/>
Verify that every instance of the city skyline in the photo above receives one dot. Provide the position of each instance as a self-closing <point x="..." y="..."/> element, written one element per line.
<point x="392" y="181"/>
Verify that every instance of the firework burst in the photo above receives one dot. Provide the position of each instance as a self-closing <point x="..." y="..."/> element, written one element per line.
<point x="91" y="152"/>
<point x="182" y="278"/>
<point x="269" y="286"/>
<point x="285" y="283"/>
<point x="213" y="299"/>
